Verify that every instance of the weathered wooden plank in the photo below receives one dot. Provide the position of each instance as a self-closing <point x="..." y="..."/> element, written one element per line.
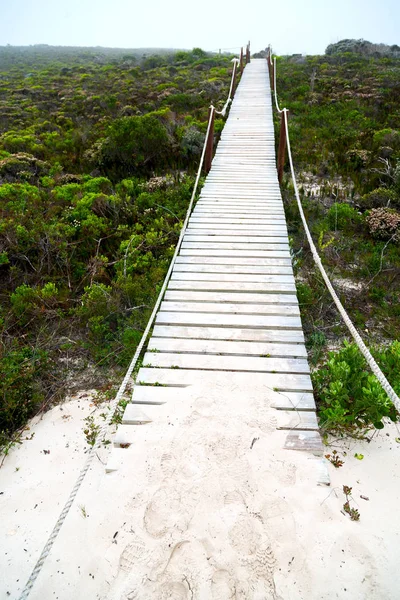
<point x="294" y="401"/>
<point x="232" y="286"/>
<point x="242" y="239"/>
<point x="293" y="420"/>
<point x="217" y="347"/>
<point x="239" y="260"/>
<point x="222" y="320"/>
<point x="235" y="309"/>
<point x="241" y="277"/>
<point x="236" y="232"/>
<point x="235" y="245"/>
<point x="230" y="297"/>
<point x="225" y="363"/>
<point x="294" y="336"/>
<point x="207" y="268"/>
<point x="309" y="441"/>
<point x="249" y="253"/>
<point x="184" y="377"/>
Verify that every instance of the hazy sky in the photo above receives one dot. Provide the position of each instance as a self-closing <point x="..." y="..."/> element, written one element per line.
<point x="291" y="26"/>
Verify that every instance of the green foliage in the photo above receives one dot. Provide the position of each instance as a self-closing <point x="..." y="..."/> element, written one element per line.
<point x="349" y="395"/>
<point x="133" y="143"/>
<point x="380" y="197"/>
<point x="342" y="216"/>
<point x="22" y="372"/>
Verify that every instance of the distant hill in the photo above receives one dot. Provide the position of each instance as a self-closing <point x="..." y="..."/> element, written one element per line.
<point x="363" y="47"/>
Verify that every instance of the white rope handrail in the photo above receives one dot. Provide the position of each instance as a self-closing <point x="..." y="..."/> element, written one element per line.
<point x="229" y="100"/>
<point x="363" y="348"/>
<point x="113" y="406"/>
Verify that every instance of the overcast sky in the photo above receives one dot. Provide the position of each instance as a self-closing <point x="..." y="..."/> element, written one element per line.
<point x="291" y="26"/>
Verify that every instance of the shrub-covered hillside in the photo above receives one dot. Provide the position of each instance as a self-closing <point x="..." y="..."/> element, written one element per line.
<point x="345" y="134"/>
<point x="97" y="149"/>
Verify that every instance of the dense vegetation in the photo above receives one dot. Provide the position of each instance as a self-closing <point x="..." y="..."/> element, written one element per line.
<point x="345" y="135"/>
<point x="96" y="153"/>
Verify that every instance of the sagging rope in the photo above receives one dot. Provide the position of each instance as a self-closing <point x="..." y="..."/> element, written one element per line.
<point x="229" y="100"/>
<point x="356" y="336"/>
<point x="52" y="537"/>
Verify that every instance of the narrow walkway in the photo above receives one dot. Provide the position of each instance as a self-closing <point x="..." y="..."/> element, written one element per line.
<point x="230" y="313"/>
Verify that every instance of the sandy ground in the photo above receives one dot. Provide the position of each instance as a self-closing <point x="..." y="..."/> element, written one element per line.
<point x="206" y="505"/>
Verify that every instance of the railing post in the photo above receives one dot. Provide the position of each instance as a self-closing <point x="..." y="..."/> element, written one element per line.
<point x="282" y="145"/>
<point x="241" y="61"/>
<point x="248" y="53"/>
<point x="272" y="75"/>
<point x="210" y="140"/>
<point x="234" y="79"/>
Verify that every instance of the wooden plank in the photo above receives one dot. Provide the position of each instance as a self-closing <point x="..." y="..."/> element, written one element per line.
<point x="308" y="441"/>
<point x="225" y="363"/>
<point x="232" y="286"/>
<point x="249" y="253"/>
<point x="241" y="277"/>
<point x="235" y="309"/>
<point x="230" y="297"/>
<point x="226" y="260"/>
<point x="247" y="334"/>
<point x="293" y="420"/>
<point x="236" y="232"/>
<point x="184" y="377"/>
<point x="222" y="320"/>
<point x="242" y="239"/>
<point x="207" y="268"/>
<point x="217" y="347"/>
<point x="294" y="401"/>
<point x="155" y="395"/>
<point x="236" y="245"/>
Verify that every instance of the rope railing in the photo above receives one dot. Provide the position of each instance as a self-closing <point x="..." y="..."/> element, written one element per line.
<point x="205" y="160"/>
<point x="284" y="140"/>
<point x="232" y="89"/>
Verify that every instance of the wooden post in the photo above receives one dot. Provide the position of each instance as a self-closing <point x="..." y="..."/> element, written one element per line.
<point x="234" y="79"/>
<point x="210" y="141"/>
<point x="282" y="146"/>
<point x="269" y="66"/>
<point x="272" y="75"/>
<point x="248" y="53"/>
<point x="241" y="61"/>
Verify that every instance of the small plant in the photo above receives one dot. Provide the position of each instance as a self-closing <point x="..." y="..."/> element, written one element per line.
<point x="353" y="513"/>
<point x="83" y="511"/>
<point x="334" y="459"/>
<point x="119" y="411"/>
<point x="91" y="431"/>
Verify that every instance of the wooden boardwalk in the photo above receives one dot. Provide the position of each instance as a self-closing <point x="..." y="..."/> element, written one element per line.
<point x="230" y="314"/>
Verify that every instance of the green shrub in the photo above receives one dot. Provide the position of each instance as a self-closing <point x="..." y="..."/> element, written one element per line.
<point x="349" y="395"/>
<point x="380" y="197"/>
<point x="343" y="216"/>
<point x="21" y="391"/>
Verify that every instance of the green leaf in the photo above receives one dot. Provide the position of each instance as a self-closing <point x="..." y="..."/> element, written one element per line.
<point x="359" y="456"/>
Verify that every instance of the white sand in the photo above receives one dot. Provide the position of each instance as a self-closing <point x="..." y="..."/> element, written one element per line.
<point x="199" y="513"/>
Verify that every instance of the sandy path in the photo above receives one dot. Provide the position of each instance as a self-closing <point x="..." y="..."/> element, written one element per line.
<point x="208" y="505"/>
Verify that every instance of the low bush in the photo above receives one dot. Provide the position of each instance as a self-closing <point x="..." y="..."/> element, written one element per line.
<point x="381" y="197"/>
<point x="384" y="223"/>
<point x="22" y="390"/>
<point x="343" y="216"/>
<point x="349" y="395"/>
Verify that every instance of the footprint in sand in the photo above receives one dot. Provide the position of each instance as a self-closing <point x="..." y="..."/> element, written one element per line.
<point x="166" y="512"/>
<point x="223" y="586"/>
